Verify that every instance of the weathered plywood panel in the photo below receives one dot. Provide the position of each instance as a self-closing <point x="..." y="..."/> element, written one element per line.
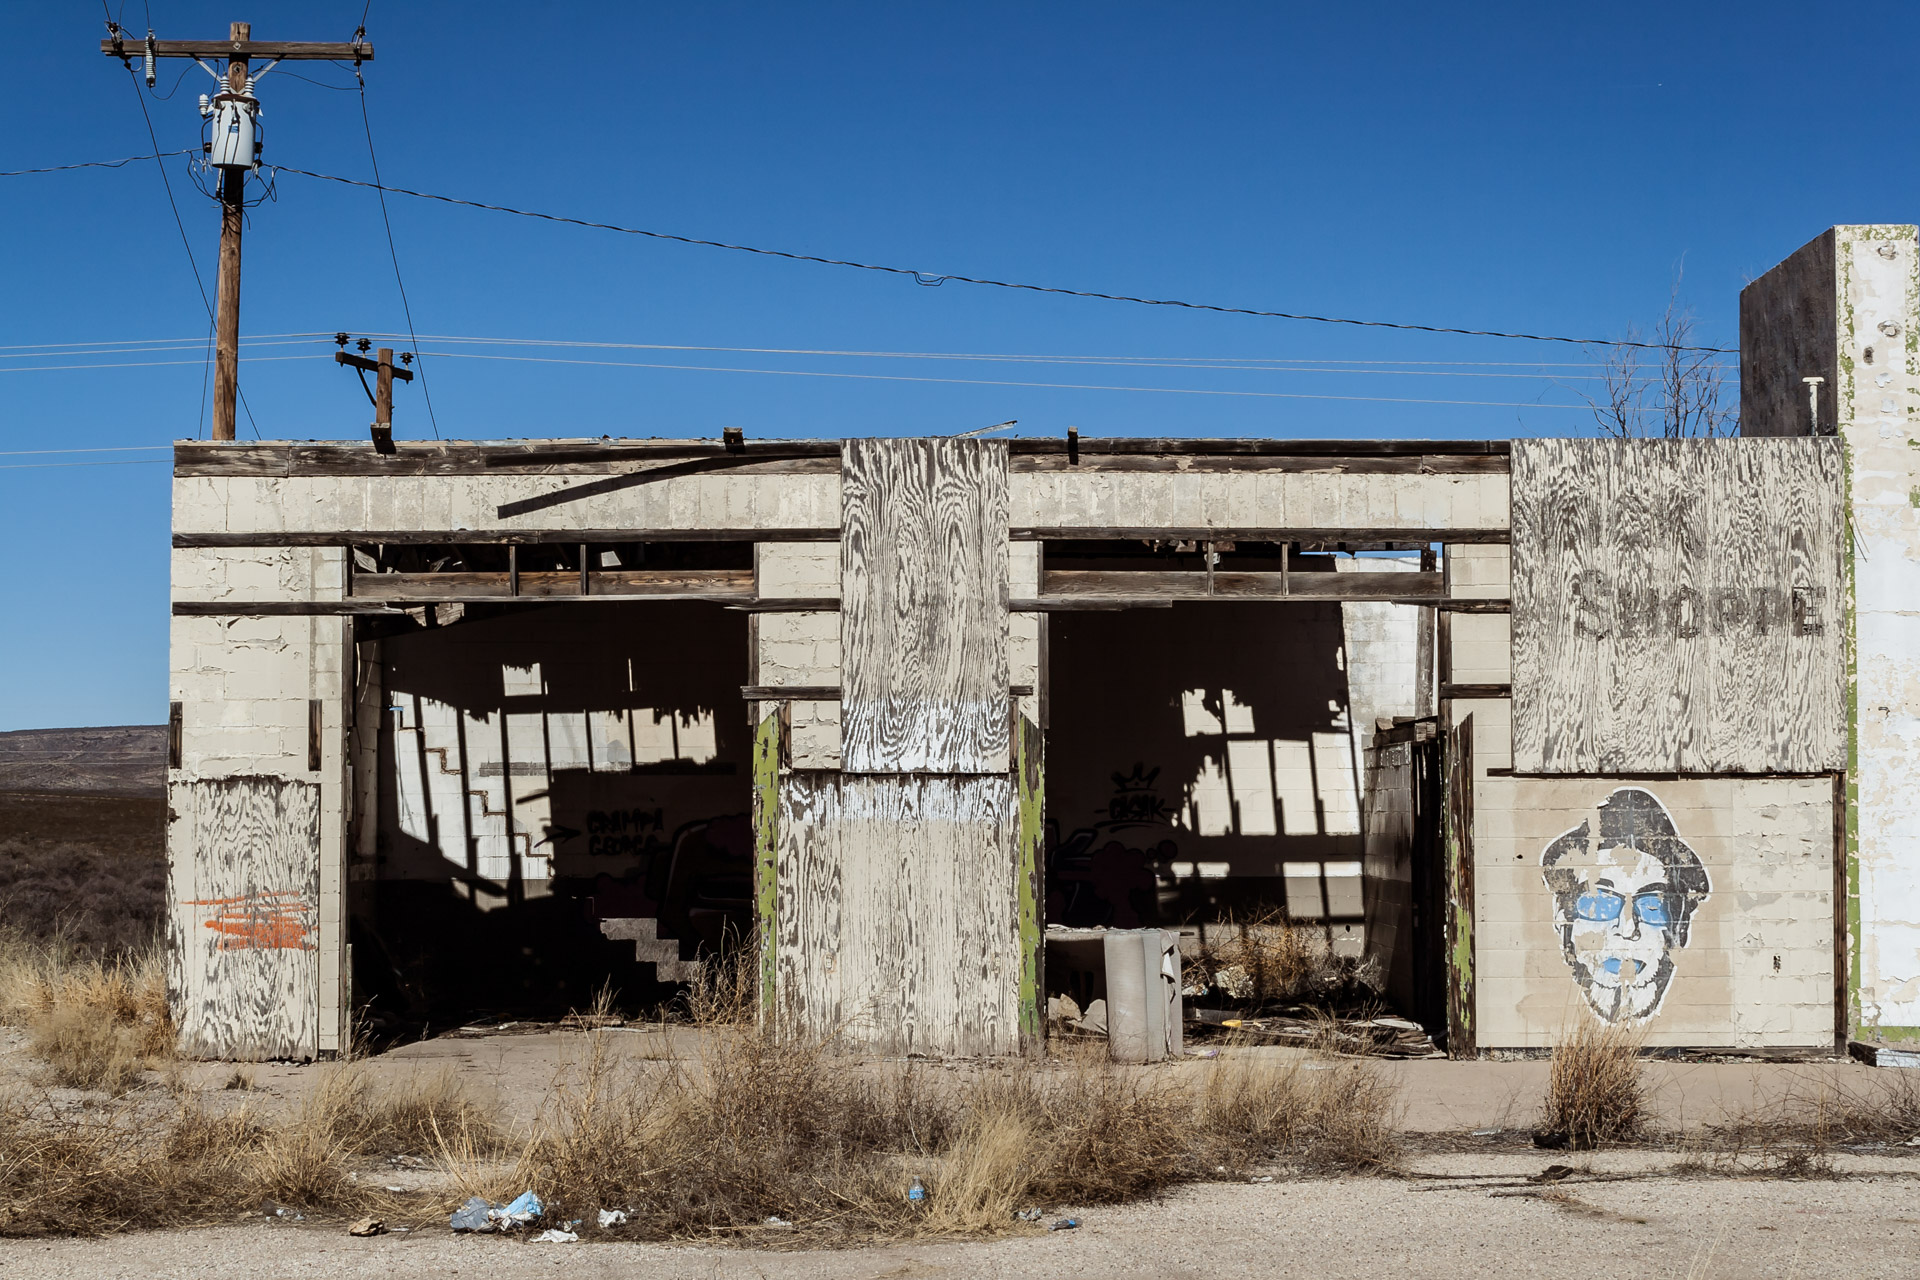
<point x="898" y="914"/>
<point x="923" y="614"/>
<point x="1676" y="606"/>
<point x="1723" y="935"/>
<point x="244" y="878"/>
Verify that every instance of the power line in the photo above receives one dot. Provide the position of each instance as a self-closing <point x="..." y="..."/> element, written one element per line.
<point x="393" y="253"/>
<point x="934" y="279"/>
<point x="123" y="448"/>
<point x="117" y="462"/>
<point x="100" y="164"/>
<point x="994" y="382"/>
<point x="146" y="364"/>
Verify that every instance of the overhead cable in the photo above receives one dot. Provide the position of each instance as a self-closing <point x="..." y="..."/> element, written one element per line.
<point x="930" y="278"/>
<point x="393" y="253"/>
<point x="99" y="164"/>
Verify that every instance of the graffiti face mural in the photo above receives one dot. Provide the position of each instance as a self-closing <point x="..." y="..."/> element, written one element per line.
<point x="1625" y="887"/>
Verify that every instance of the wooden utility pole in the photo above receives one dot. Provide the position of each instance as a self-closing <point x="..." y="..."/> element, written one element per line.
<point x="232" y="107"/>
<point x="382" y="395"/>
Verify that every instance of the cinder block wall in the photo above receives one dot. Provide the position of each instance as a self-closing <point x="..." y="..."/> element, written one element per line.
<point x="258" y="807"/>
<point x="1846" y="308"/>
<point x="1754" y="964"/>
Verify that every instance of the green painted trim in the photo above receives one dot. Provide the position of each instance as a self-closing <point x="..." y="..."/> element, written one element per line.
<point x="767" y="743"/>
<point x="1030" y="778"/>
<point x="1456" y="770"/>
<point x="1894" y="1033"/>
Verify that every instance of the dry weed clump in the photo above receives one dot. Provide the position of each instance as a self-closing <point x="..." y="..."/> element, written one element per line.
<point x="1593" y="1086"/>
<point x="1317" y="1113"/>
<point x="1267" y="959"/>
<point x="1797" y="1132"/>
<point x="98" y="1023"/>
<point x="134" y="1163"/>
<point x="767" y="1127"/>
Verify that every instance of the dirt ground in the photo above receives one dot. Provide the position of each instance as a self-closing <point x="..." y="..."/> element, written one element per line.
<point x="1866" y="1224"/>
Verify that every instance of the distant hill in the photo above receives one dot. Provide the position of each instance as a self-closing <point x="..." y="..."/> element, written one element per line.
<point x="123" y="760"/>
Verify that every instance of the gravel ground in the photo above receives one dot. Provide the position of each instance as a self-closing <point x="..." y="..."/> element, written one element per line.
<point x="1866" y="1224"/>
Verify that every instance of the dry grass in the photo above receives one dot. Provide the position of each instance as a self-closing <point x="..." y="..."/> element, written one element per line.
<point x="1266" y="959"/>
<point x="138" y="1163"/>
<point x="1797" y="1132"/>
<point x="98" y="1023"/>
<point x="757" y="1125"/>
<point x="762" y="1125"/>
<point x="1593" y="1085"/>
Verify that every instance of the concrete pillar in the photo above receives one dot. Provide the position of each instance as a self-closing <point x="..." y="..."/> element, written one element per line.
<point x="1845" y="309"/>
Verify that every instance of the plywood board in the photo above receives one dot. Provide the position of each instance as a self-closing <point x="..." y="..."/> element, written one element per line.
<point x="898" y="913"/>
<point x="244" y="878"/>
<point x="923" y="615"/>
<point x="1697" y="911"/>
<point x="1677" y="606"/>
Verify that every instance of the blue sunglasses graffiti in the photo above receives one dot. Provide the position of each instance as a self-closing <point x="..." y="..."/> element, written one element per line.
<point x="1604" y="906"/>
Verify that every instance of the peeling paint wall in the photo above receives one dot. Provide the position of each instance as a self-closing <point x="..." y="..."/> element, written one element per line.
<point x="1708" y="922"/>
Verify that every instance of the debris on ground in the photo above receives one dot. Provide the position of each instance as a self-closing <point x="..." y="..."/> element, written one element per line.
<point x="273" y="1210"/>
<point x="1553" y="1173"/>
<point x="523" y="1209"/>
<point x="1064" y="1224"/>
<point x="481" y="1215"/>
<point x="612" y="1218"/>
<point x="779" y="1222"/>
<point x="554" y="1235"/>
<point x="917" y="1194"/>
<point x="1376" y="1036"/>
<point x="367" y="1227"/>
<point x="1030" y="1215"/>
<point x="1550" y="1139"/>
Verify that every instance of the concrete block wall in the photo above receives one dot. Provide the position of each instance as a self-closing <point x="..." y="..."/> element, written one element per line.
<point x="245" y="686"/>
<point x="801" y="648"/>
<point x="1477" y="648"/>
<point x="1754" y="966"/>
<point x="250" y="504"/>
<point x="1846" y="308"/>
<point x="1251" y="499"/>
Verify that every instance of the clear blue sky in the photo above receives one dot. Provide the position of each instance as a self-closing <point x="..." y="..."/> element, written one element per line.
<point x="1511" y="166"/>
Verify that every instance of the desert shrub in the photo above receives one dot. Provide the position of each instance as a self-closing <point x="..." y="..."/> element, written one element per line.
<point x="1593" y="1085"/>
<point x="98" y="1024"/>
<point x="1312" y="1112"/>
<point x="88" y="871"/>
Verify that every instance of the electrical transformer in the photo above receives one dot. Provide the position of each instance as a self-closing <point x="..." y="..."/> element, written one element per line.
<point x="234" y="140"/>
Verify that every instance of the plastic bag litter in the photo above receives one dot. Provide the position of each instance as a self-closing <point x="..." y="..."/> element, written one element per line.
<point x="553" y="1235"/>
<point x="478" y="1215"/>
<point x="612" y="1218"/>
<point x="1065" y="1224"/>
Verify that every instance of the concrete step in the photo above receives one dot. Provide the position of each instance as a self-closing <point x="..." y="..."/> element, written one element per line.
<point x="648" y="945"/>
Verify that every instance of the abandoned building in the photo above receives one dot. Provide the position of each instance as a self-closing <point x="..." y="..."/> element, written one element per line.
<point x="1539" y="728"/>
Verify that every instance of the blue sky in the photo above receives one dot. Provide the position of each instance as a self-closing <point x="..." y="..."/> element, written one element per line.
<point x="1521" y="167"/>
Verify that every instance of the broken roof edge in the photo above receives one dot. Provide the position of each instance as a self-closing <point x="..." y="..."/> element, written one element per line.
<point x="293" y="457"/>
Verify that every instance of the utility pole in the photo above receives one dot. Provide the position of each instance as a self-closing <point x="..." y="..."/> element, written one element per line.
<point x="382" y="394"/>
<point x="234" y="148"/>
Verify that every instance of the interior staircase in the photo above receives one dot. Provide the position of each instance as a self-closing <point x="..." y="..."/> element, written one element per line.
<point x="644" y="933"/>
